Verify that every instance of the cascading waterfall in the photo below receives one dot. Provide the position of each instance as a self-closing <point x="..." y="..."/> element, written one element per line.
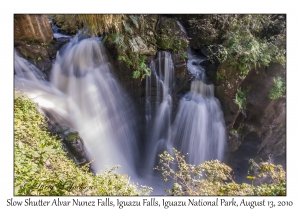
<point x="159" y="87"/>
<point x="198" y="128"/>
<point x="84" y="95"/>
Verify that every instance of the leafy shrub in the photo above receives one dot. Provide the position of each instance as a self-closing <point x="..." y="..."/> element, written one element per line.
<point x="278" y="88"/>
<point x="214" y="178"/>
<point x="249" y="40"/>
<point x="42" y="168"/>
<point x="241" y="97"/>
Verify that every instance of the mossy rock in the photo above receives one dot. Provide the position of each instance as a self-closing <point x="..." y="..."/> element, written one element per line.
<point x="72" y="135"/>
<point x="170" y="37"/>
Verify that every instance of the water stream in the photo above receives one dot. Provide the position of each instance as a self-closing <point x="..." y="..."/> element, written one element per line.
<point x="198" y="127"/>
<point x="84" y="95"/>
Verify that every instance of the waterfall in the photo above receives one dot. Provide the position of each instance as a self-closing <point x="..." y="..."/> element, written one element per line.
<point x="159" y="87"/>
<point x="83" y="94"/>
<point x="198" y="128"/>
<point x="181" y="27"/>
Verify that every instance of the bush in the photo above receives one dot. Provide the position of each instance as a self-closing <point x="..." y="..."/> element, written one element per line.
<point x="214" y="178"/>
<point x="250" y="40"/>
<point x="241" y="97"/>
<point x="278" y="88"/>
<point x="42" y="168"/>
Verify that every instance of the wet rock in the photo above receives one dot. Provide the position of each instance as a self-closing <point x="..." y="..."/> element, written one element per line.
<point x="75" y="144"/>
<point x="41" y="55"/>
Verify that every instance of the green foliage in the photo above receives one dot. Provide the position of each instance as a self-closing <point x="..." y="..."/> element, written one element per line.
<point x="214" y="178"/>
<point x="241" y="97"/>
<point x="123" y="31"/>
<point x="42" y="168"/>
<point x="170" y="38"/>
<point x="249" y="41"/>
<point x="233" y="131"/>
<point x="219" y="76"/>
<point x="184" y="55"/>
<point x="278" y="88"/>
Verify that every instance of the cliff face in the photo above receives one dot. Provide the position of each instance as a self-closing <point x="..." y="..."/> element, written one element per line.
<point x="259" y="131"/>
<point x="32" y="28"/>
<point x="33" y="40"/>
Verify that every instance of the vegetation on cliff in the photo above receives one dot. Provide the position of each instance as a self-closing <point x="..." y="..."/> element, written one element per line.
<point x="247" y="41"/>
<point x="137" y="36"/>
<point x="215" y="178"/>
<point x="41" y="166"/>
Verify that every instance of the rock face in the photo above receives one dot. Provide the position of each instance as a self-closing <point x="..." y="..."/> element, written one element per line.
<point x="33" y="40"/>
<point x="32" y="28"/>
<point x="259" y="131"/>
<point x="161" y="34"/>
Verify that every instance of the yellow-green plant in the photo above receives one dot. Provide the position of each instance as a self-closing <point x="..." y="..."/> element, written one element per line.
<point x="41" y="166"/>
<point x="214" y="178"/>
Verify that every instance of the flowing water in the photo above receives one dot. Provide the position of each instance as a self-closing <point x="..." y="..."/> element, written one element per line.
<point x="160" y="85"/>
<point x="198" y="126"/>
<point x="84" y="95"/>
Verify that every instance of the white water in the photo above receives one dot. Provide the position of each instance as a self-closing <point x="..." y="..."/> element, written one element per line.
<point x="198" y="128"/>
<point x="84" y="95"/>
<point x="161" y="84"/>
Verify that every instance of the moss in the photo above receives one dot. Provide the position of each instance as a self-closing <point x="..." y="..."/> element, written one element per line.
<point x="72" y="136"/>
<point x="170" y="37"/>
